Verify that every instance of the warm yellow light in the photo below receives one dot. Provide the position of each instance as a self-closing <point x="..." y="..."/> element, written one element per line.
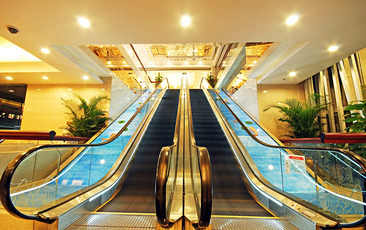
<point x="185" y="21"/>
<point x="200" y="62"/>
<point x="333" y="48"/>
<point x="292" y="19"/>
<point x="83" y="22"/>
<point x="45" y="77"/>
<point x="45" y="50"/>
<point x="292" y="74"/>
<point x="8" y="78"/>
<point x="85" y="77"/>
<point x="12" y="53"/>
<point x="69" y="89"/>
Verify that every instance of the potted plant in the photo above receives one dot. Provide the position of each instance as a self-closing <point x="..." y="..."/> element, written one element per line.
<point x="302" y="116"/>
<point x="211" y="80"/>
<point x="357" y="121"/>
<point x="158" y="79"/>
<point x="87" y="118"/>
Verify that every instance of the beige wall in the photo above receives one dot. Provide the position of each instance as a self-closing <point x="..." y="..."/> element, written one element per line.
<point x="270" y="95"/>
<point x="44" y="111"/>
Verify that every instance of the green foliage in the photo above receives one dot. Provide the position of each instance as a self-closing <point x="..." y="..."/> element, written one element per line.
<point x="211" y="80"/>
<point x="158" y="79"/>
<point x="357" y="110"/>
<point x="302" y="117"/>
<point x="86" y="117"/>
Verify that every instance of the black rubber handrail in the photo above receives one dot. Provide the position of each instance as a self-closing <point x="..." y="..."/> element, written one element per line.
<point x="162" y="175"/>
<point x="356" y="158"/>
<point x="13" y="165"/>
<point x="204" y="218"/>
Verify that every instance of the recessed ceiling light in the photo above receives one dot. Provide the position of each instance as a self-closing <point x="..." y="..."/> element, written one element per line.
<point x="292" y="74"/>
<point x="102" y="161"/>
<point x="185" y="62"/>
<point x="11" y="91"/>
<point x="39" y="89"/>
<point x="255" y="62"/>
<point x="8" y="78"/>
<point x="333" y="48"/>
<point x="45" y="50"/>
<point x="85" y="77"/>
<point x="185" y="21"/>
<point x="108" y="62"/>
<point x="265" y="91"/>
<point x="69" y="89"/>
<point x="103" y="89"/>
<point x="292" y="19"/>
<point x="45" y="77"/>
<point x="83" y="22"/>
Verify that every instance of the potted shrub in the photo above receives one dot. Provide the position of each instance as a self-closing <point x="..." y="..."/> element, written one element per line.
<point x="211" y="80"/>
<point x="87" y="118"/>
<point x="302" y="116"/>
<point x="158" y="79"/>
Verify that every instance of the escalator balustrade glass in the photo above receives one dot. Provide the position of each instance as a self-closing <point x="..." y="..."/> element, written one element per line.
<point x="329" y="180"/>
<point x="52" y="174"/>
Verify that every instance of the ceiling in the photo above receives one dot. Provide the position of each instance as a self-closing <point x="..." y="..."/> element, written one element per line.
<point x="301" y="47"/>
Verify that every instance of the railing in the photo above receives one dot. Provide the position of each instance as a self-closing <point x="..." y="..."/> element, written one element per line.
<point x="166" y="176"/>
<point x="37" y="180"/>
<point x="201" y="175"/>
<point x="330" y="181"/>
<point x="37" y="135"/>
<point x="352" y="138"/>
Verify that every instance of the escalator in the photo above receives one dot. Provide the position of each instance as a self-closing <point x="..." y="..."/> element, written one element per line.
<point x="230" y="194"/>
<point x="115" y="171"/>
<point x="231" y="197"/>
<point x="137" y="193"/>
<point x="308" y="187"/>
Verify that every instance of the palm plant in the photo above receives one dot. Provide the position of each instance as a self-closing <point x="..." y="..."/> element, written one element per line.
<point x="301" y="116"/>
<point x="86" y="117"/>
<point x="356" y="117"/>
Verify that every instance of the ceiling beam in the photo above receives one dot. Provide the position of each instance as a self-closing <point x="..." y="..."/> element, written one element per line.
<point x="235" y="65"/>
<point x="220" y="56"/>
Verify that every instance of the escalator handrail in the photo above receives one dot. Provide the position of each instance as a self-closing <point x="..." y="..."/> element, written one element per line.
<point x="205" y="174"/>
<point x="5" y="196"/>
<point x="162" y="175"/>
<point x="356" y="158"/>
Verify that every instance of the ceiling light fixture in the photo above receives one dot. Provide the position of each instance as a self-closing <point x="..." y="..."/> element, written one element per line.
<point x="85" y="77"/>
<point x="83" y="22"/>
<point x="45" y="78"/>
<point x="11" y="91"/>
<point x="333" y="48"/>
<point x="292" y="74"/>
<point x="292" y="19"/>
<point x="185" y="21"/>
<point x="69" y="89"/>
<point x="8" y="78"/>
<point x="45" y="50"/>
